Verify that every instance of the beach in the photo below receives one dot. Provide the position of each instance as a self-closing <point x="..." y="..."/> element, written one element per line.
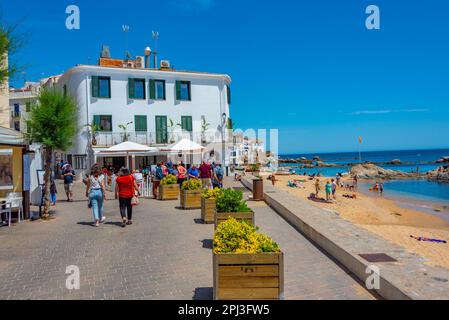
<point x="382" y="216"/>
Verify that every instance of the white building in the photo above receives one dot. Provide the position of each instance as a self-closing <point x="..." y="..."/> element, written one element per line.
<point x="150" y="103"/>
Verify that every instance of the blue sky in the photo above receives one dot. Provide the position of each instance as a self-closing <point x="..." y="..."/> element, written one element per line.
<point x="308" y="68"/>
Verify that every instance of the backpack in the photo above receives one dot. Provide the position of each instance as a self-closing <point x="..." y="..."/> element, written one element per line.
<point x="219" y="173"/>
<point x="159" y="174"/>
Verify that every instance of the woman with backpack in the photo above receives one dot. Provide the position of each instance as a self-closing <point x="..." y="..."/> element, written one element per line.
<point x="217" y="180"/>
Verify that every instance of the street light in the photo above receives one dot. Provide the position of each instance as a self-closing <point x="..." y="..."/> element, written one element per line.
<point x="147" y="57"/>
<point x="223" y="151"/>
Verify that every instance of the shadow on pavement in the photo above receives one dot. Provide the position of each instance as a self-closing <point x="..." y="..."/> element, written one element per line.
<point x="203" y="294"/>
<point x="208" y="243"/>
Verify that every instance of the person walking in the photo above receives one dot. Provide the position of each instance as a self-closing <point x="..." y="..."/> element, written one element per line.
<point x="157" y="177"/>
<point x="381" y="188"/>
<point x="206" y="175"/>
<point x="217" y="180"/>
<point x="355" y="182"/>
<point x="328" y="190"/>
<point x="95" y="191"/>
<point x="68" y="175"/>
<point x="181" y="173"/>
<point x="139" y="178"/>
<point x="334" y="189"/>
<point x="317" y="187"/>
<point x="53" y="192"/>
<point x="125" y="189"/>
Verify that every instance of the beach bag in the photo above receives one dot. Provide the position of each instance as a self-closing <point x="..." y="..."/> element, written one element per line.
<point x="134" y="201"/>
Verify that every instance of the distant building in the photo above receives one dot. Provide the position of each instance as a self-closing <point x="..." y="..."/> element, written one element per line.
<point x="20" y="102"/>
<point x="158" y="106"/>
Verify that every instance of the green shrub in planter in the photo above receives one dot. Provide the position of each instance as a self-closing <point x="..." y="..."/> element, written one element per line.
<point x="192" y="185"/>
<point x="169" y="179"/>
<point x="230" y="200"/>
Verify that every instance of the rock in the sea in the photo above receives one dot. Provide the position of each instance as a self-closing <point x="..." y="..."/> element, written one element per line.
<point x="396" y="161"/>
<point x="371" y="171"/>
<point x="443" y="160"/>
<point x="441" y="174"/>
<point x="316" y="158"/>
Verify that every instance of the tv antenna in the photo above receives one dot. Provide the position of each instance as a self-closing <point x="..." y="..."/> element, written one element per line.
<point x="155" y="38"/>
<point x="125" y="29"/>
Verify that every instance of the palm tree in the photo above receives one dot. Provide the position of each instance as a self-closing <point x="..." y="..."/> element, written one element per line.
<point x="52" y="123"/>
<point x="125" y="134"/>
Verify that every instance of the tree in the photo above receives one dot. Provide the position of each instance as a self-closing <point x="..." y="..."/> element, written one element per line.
<point x="10" y="42"/>
<point x="52" y="123"/>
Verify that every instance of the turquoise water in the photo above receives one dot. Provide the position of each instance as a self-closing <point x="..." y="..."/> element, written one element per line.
<point x="417" y="189"/>
<point x="412" y="189"/>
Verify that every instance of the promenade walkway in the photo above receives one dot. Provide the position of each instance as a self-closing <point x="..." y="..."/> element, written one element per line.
<point x="165" y="254"/>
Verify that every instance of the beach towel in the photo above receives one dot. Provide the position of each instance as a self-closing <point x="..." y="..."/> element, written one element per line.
<point x="428" y="239"/>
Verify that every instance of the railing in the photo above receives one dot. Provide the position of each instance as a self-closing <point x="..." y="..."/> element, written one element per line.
<point x="108" y="139"/>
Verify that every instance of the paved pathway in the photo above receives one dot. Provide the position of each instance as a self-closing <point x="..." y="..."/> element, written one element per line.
<point x="165" y="254"/>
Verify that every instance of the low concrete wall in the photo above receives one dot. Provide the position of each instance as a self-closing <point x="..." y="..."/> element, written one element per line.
<point x="409" y="278"/>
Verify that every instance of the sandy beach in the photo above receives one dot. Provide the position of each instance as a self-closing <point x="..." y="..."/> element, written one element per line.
<point x="381" y="216"/>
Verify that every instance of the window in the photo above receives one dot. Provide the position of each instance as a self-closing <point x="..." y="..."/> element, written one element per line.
<point x="183" y="91"/>
<point x="228" y="91"/>
<point x="28" y="107"/>
<point x="136" y="89"/>
<point x="17" y="125"/>
<point x="186" y="123"/>
<point x="64" y="89"/>
<point x="104" y="122"/>
<point x="80" y="162"/>
<point x="101" y="87"/>
<point x="161" y="129"/>
<point x="157" y="89"/>
<point x="140" y="123"/>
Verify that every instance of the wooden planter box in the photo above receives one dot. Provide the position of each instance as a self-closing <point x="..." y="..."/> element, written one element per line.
<point x="221" y="217"/>
<point x="191" y="199"/>
<point x="168" y="192"/>
<point x="208" y="210"/>
<point x="248" y="276"/>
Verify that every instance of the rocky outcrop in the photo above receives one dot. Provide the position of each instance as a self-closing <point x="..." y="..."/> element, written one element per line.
<point x="395" y="161"/>
<point x="443" y="160"/>
<point x="371" y="171"/>
<point x="441" y="174"/>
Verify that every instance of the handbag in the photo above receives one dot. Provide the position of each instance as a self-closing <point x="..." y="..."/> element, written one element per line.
<point x="134" y="201"/>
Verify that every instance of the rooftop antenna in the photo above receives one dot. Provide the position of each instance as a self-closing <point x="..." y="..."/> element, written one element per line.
<point x="155" y="38"/>
<point x="125" y="29"/>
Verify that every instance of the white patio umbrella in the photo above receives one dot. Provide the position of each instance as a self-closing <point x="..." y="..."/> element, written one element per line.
<point x="185" y="146"/>
<point x="129" y="147"/>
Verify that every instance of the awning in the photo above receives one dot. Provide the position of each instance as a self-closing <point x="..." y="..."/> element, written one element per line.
<point x="11" y="137"/>
<point x="184" y="145"/>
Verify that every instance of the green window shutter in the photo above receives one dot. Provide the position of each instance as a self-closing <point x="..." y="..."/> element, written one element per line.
<point x="95" y="87"/>
<point x="140" y="123"/>
<point x="152" y="90"/>
<point x="97" y="120"/>
<point x="178" y="90"/>
<point x="28" y="107"/>
<point x="186" y="123"/>
<point x="131" y="88"/>
<point x="229" y="94"/>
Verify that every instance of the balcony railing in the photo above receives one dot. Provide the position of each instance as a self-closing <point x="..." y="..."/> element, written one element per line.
<point x="108" y="139"/>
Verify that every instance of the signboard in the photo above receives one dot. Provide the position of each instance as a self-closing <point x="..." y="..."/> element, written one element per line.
<point x="40" y="177"/>
<point x="6" y="173"/>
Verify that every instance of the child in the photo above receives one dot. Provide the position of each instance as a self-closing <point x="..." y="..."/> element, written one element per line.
<point x="53" y="192"/>
<point x="328" y="191"/>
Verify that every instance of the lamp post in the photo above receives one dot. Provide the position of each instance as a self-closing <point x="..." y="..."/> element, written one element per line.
<point x="223" y="151"/>
<point x="147" y="57"/>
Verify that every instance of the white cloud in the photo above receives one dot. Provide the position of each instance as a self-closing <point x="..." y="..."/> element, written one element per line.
<point x="385" y="111"/>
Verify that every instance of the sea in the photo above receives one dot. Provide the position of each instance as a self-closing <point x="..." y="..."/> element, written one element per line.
<point x="417" y="189"/>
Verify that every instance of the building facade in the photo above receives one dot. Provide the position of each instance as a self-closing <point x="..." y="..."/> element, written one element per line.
<point x="154" y="107"/>
<point x="4" y="97"/>
<point x="20" y="102"/>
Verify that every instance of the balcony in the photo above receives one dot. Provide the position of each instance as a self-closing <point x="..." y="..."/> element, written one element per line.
<point x="15" y="114"/>
<point x="109" y="139"/>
